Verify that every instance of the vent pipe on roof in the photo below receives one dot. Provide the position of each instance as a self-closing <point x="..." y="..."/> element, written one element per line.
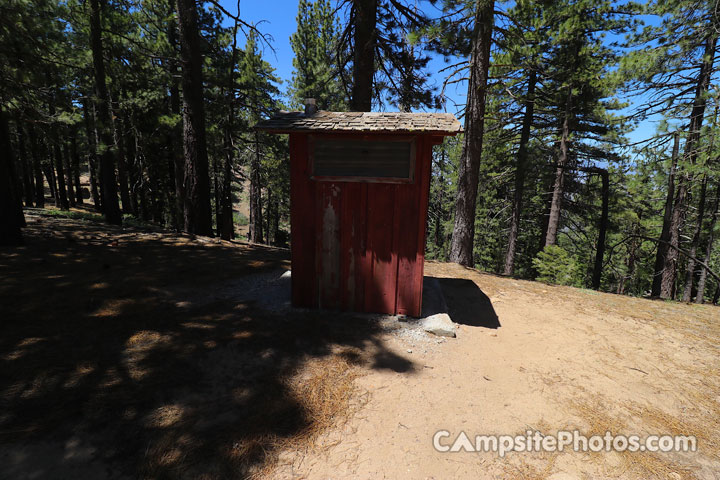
<point x="310" y="106"/>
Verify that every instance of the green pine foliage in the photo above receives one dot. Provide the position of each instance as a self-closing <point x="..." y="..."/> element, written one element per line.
<point x="317" y="64"/>
<point x="555" y="265"/>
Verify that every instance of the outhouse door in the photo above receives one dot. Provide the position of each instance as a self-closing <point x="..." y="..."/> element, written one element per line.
<point x="367" y="203"/>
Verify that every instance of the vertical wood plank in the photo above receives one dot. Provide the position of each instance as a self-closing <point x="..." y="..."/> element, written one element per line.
<point x="352" y="233"/>
<point x="302" y="224"/>
<point x="407" y="224"/>
<point x="363" y="264"/>
<point x="425" y="167"/>
<point x="380" y="286"/>
<point x="328" y="224"/>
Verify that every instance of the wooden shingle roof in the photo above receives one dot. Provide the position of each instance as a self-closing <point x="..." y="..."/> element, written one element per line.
<point x="374" y="122"/>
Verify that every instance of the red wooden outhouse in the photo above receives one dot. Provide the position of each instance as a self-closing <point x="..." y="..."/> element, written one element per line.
<point x="359" y="191"/>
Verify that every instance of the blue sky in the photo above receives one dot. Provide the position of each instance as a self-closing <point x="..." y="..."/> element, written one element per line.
<point x="278" y="21"/>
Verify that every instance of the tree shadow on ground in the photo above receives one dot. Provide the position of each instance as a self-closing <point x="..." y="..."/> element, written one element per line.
<point x="126" y="344"/>
<point x="460" y="298"/>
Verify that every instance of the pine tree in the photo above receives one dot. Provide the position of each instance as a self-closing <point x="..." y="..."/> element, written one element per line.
<point x="258" y="81"/>
<point x="673" y="68"/>
<point x="197" y="213"/>
<point x="384" y="66"/>
<point x="315" y="66"/>
<point x="110" y="205"/>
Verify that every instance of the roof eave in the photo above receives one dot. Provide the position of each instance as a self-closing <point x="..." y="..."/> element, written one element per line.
<point x="447" y="133"/>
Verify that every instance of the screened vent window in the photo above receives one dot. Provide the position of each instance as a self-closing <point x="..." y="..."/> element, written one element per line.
<point x="358" y="158"/>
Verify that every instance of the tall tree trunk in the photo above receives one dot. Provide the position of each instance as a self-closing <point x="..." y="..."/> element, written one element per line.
<point x="439" y="234"/>
<point x="690" y="268"/>
<point x="119" y="138"/>
<point x="275" y="227"/>
<point x="68" y="174"/>
<point x="662" y="248"/>
<point x="136" y="167"/>
<point x="669" y="273"/>
<point x="49" y="171"/>
<point x="76" y="168"/>
<point x="91" y="133"/>
<point x="175" y="136"/>
<point x="108" y="181"/>
<point x="218" y="196"/>
<point x="268" y="216"/>
<point x="12" y="218"/>
<point x="364" y="55"/>
<point x="520" y="170"/>
<point x="227" y="229"/>
<point x="602" y="229"/>
<point x="631" y="260"/>
<point x="702" y="280"/>
<point x="461" y="247"/>
<point x="60" y="173"/>
<point x="61" y="199"/>
<point x="255" y="231"/>
<point x="669" y="269"/>
<point x="26" y="166"/>
<point x="37" y="168"/>
<point x="198" y="216"/>
<point x="559" y="184"/>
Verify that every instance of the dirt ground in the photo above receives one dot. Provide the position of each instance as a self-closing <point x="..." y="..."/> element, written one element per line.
<point x="560" y="359"/>
<point x="137" y="354"/>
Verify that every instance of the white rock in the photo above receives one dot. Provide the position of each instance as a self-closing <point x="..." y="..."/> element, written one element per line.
<point x="439" y="324"/>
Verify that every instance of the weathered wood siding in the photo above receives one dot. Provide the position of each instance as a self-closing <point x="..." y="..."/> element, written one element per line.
<point x="358" y="245"/>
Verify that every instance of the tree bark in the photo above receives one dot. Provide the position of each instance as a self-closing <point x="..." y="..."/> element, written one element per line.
<point x="59" y="173"/>
<point x="27" y="177"/>
<point x="559" y="184"/>
<point x="520" y="170"/>
<point x="669" y="273"/>
<point x="197" y="212"/>
<point x="662" y="246"/>
<point x="76" y="168"/>
<point x="461" y="247"/>
<point x="68" y="174"/>
<point x="227" y="230"/>
<point x="255" y="231"/>
<point x="118" y="128"/>
<point x="49" y="171"/>
<point x="669" y="270"/>
<point x="108" y="181"/>
<point x="268" y="216"/>
<point x="364" y="55"/>
<point x="690" y="268"/>
<point x="226" y="227"/>
<point x="702" y="280"/>
<point x="37" y="168"/>
<point x="175" y="137"/>
<point x="217" y="195"/>
<point x="440" y="215"/>
<point x="91" y="132"/>
<point x="602" y="229"/>
<point x="12" y="218"/>
<point x="61" y="199"/>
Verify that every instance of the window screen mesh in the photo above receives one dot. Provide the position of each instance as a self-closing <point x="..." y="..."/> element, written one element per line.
<point x="357" y="158"/>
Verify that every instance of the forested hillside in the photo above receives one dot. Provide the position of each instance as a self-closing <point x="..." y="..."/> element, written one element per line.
<point x="144" y="109"/>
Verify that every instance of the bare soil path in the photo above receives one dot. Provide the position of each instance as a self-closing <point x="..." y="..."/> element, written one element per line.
<point x="561" y="359"/>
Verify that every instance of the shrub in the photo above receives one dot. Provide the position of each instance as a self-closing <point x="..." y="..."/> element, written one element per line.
<point x="557" y="266"/>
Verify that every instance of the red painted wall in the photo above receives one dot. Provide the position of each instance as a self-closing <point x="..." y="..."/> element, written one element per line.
<point x="358" y="246"/>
